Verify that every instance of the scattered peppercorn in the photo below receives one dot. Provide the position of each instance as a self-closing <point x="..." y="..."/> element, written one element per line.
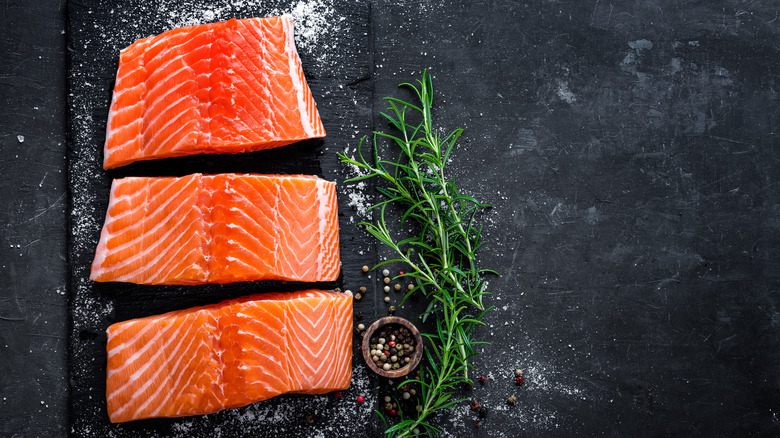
<point x="401" y="272"/>
<point x="520" y="380"/>
<point x="482" y="379"/>
<point x="393" y="412"/>
<point x="365" y="268"/>
<point x="388" y="399"/>
<point x="406" y="395"/>
<point x="416" y="431"/>
<point x="360" y="399"/>
<point x="474" y="404"/>
<point x="387" y="299"/>
<point x="518" y="372"/>
<point x="391" y="309"/>
<point x="385" y="272"/>
<point x="412" y="391"/>
<point x="511" y="400"/>
<point x="358" y="297"/>
<point x="362" y="289"/>
<point x="397" y="286"/>
<point x="387" y="289"/>
<point x="338" y="289"/>
<point x="361" y="327"/>
<point x="410" y="287"/>
<point x="387" y="280"/>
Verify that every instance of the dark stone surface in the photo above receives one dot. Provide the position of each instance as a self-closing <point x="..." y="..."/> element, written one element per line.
<point x="33" y="306"/>
<point x="629" y="150"/>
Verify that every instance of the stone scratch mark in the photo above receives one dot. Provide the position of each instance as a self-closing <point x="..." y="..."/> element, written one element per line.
<point x="47" y="209"/>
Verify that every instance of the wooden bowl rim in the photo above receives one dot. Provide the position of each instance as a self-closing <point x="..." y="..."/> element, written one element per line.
<point x="418" y="347"/>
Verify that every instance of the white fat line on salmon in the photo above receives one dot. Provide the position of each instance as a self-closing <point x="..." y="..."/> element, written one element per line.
<point x="292" y="56"/>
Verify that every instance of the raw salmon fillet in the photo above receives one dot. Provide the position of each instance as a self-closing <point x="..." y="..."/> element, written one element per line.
<point x="205" y="359"/>
<point x="219" y="229"/>
<point x="227" y="87"/>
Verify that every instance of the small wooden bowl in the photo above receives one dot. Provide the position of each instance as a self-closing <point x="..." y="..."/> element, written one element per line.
<point x="416" y="356"/>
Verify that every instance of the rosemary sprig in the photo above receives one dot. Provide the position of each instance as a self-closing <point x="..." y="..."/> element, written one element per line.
<point x="441" y="256"/>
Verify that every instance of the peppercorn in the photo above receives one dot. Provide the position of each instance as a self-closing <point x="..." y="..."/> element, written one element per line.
<point x="360" y="399"/>
<point x="365" y="268"/>
<point x="386" y="367"/>
<point x="361" y="327"/>
<point x="387" y="299"/>
<point x="416" y="431"/>
<point x="385" y="272"/>
<point x="406" y="395"/>
<point x="391" y="309"/>
<point x="387" y="289"/>
<point x="391" y="343"/>
<point x="393" y="412"/>
<point x="358" y="297"/>
<point x="519" y="380"/>
<point x="338" y="289"/>
<point x="474" y="404"/>
<point x="401" y="272"/>
<point x="362" y="289"/>
<point x="393" y="351"/>
<point x="407" y="360"/>
<point x="482" y="379"/>
<point x="412" y="391"/>
<point x="347" y="291"/>
<point x="511" y="400"/>
<point x="387" y="280"/>
<point x="396" y="366"/>
<point x="397" y="286"/>
<point x="518" y="372"/>
<point x="410" y="287"/>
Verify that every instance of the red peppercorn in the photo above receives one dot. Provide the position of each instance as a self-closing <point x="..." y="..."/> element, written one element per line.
<point x="360" y="399"/>
<point x="474" y="404"/>
<point x="393" y="412"/>
<point x="387" y="352"/>
<point x="482" y="379"/>
<point x="337" y="394"/>
<point x="519" y="380"/>
<point x="391" y="344"/>
<point x="401" y="272"/>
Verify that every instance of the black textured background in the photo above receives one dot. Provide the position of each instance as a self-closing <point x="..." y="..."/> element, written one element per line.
<point x="629" y="150"/>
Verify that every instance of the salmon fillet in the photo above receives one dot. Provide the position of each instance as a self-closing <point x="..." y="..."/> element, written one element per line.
<point x="205" y="359"/>
<point x="219" y="228"/>
<point x="227" y="87"/>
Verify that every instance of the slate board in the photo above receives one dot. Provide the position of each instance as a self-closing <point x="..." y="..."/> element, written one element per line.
<point x="335" y="75"/>
<point x="630" y="152"/>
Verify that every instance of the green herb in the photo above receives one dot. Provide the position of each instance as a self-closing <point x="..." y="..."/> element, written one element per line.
<point x="441" y="255"/>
